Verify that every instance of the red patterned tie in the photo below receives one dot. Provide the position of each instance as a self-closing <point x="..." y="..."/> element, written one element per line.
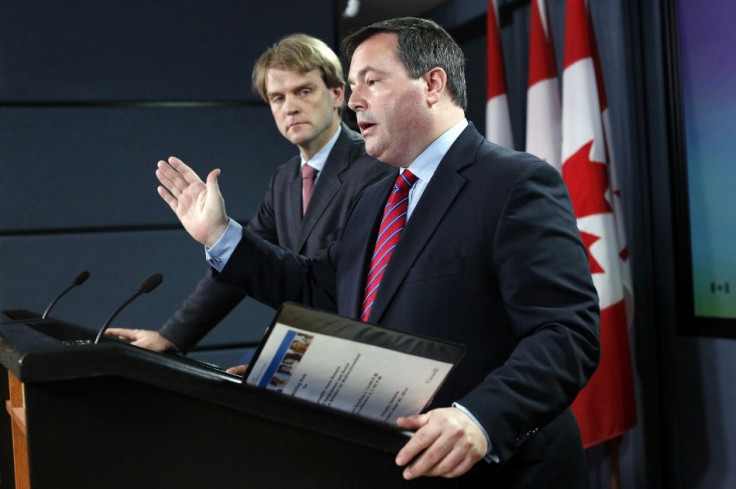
<point x="392" y="224"/>
<point x="309" y="174"/>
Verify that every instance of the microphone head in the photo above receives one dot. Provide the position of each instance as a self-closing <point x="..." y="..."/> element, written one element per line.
<point x="81" y="278"/>
<point x="151" y="282"/>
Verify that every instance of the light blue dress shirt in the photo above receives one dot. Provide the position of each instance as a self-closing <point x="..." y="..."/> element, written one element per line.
<point x="318" y="160"/>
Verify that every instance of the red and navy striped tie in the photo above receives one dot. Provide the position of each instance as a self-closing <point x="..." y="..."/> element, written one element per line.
<point x="392" y="224"/>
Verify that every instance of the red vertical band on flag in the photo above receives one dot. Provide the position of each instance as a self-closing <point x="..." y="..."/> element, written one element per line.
<point x="605" y="408"/>
<point x="577" y="33"/>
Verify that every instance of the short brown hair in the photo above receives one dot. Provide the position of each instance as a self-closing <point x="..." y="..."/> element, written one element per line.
<point x="300" y="53"/>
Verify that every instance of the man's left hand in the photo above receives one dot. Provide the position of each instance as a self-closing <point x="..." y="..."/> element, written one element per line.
<point x="447" y="443"/>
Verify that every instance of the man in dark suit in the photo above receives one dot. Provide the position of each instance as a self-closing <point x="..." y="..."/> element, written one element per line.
<point x="489" y="255"/>
<point x="302" y="81"/>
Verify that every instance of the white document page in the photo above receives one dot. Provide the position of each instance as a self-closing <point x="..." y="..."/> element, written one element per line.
<point x="359" y="378"/>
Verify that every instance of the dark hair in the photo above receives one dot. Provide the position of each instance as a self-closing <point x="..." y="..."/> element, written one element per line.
<point x="422" y="45"/>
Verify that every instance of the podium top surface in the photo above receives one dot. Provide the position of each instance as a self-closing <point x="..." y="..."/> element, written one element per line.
<point x="42" y="351"/>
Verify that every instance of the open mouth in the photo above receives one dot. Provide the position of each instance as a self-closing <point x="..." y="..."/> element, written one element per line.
<point x="365" y="126"/>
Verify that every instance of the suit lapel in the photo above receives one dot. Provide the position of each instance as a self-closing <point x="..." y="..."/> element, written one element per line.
<point x="293" y="204"/>
<point x="328" y="185"/>
<point x="442" y="190"/>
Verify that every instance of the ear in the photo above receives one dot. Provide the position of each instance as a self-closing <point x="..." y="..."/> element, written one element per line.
<point x="436" y="80"/>
<point x="338" y="96"/>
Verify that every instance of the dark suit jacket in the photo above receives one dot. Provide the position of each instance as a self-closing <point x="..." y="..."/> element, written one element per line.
<point x="491" y="257"/>
<point x="347" y="171"/>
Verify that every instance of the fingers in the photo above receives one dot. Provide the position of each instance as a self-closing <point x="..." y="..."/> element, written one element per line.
<point x="417" y="443"/>
<point x="166" y="195"/>
<point x="181" y="187"/>
<point x="178" y="165"/>
<point x="170" y="178"/>
<point x="447" y="444"/>
<point x="452" y="463"/>
<point x="412" y="422"/>
<point x="183" y="171"/>
<point x="212" y="177"/>
<point x="237" y="370"/>
<point x="148" y="339"/>
<point x="214" y="196"/>
<point x="123" y="334"/>
<point x="176" y="176"/>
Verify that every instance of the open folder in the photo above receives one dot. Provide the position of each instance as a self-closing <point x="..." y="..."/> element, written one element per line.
<point x="348" y="365"/>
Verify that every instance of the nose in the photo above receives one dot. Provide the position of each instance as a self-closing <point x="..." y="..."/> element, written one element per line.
<point x="356" y="101"/>
<point x="290" y="105"/>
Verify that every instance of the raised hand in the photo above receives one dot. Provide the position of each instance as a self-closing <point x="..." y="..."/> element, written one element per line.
<point x="199" y="206"/>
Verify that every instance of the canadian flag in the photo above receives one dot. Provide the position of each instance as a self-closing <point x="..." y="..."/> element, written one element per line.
<point x="543" y="112"/>
<point x="498" y="121"/>
<point x="613" y="179"/>
<point x="605" y="408"/>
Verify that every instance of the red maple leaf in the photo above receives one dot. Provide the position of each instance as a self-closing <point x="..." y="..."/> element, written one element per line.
<point x="587" y="182"/>
<point x="588" y="240"/>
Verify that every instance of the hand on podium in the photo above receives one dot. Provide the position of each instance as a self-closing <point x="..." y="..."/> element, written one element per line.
<point x="446" y="443"/>
<point x="238" y="370"/>
<point x="144" y="338"/>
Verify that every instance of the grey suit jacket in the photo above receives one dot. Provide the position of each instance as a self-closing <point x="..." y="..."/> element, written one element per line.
<point x="347" y="171"/>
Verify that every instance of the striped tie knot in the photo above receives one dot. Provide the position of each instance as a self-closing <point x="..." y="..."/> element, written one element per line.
<point x="404" y="181"/>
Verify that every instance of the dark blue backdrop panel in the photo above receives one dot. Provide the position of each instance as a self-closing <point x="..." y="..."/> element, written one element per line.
<point x="143" y="50"/>
<point x="475" y="70"/>
<point x="94" y="167"/>
<point x="34" y="269"/>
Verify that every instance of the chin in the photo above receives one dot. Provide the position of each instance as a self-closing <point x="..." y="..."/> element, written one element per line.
<point x="297" y="139"/>
<point x="373" y="149"/>
<point x="384" y="158"/>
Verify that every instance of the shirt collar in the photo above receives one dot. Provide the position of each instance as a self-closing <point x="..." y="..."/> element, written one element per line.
<point x="428" y="160"/>
<point x="318" y="160"/>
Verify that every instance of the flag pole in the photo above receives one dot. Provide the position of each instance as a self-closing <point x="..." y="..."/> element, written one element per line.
<point x="613" y="452"/>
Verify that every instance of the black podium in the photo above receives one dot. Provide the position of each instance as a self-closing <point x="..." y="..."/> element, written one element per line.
<point x="113" y="415"/>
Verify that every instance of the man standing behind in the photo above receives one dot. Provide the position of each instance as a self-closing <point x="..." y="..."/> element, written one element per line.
<point x="309" y="196"/>
<point x="467" y="242"/>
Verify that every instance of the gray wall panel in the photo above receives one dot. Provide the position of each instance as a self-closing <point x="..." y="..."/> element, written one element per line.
<point x="86" y="92"/>
<point x="35" y="269"/>
<point x="143" y="50"/>
<point x="94" y="167"/>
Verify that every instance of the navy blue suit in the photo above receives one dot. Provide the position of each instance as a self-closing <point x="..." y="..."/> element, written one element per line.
<point x="491" y="258"/>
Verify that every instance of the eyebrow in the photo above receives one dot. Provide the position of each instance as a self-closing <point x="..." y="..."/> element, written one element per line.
<point x="365" y="70"/>
<point x="295" y="89"/>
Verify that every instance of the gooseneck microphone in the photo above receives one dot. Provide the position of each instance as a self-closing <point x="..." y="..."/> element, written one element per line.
<point x="79" y="280"/>
<point x="150" y="283"/>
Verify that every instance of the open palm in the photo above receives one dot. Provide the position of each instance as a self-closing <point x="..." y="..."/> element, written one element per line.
<point x="198" y="205"/>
